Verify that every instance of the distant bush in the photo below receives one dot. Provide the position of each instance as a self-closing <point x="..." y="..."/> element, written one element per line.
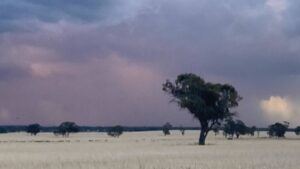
<point x="33" y="129"/>
<point x="166" y="129"/>
<point x="278" y="129"/>
<point x="115" y="131"/>
<point x="297" y="130"/>
<point x="182" y="130"/>
<point x="66" y="128"/>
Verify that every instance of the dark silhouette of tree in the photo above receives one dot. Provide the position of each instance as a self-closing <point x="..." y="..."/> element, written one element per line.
<point x="229" y="128"/>
<point x="33" y="129"/>
<point x="297" y="130"/>
<point x="182" y="130"/>
<point x="278" y="129"/>
<point x="251" y="130"/>
<point x="209" y="103"/>
<point x="166" y="129"/>
<point x="65" y="128"/>
<point x="115" y="131"/>
<point x="240" y="128"/>
<point x="236" y="128"/>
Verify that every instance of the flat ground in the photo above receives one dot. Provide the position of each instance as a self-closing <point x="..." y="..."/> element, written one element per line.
<point x="146" y="150"/>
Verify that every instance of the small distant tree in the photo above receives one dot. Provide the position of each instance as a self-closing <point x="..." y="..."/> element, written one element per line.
<point x="209" y="103"/>
<point x="229" y="128"/>
<point x="33" y="129"/>
<point x="297" y="130"/>
<point x="236" y="128"/>
<point x="166" y="129"/>
<point x="240" y="128"/>
<point x="65" y="128"/>
<point x="115" y="131"/>
<point x="182" y="130"/>
<point x="278" y="129"/>
<point x="251" y="130"/>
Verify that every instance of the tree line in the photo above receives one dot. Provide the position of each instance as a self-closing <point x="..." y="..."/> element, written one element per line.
<point x="230" y="129"/>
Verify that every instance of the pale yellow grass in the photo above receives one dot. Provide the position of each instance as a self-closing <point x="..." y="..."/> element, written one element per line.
<point x="146" y="150"/>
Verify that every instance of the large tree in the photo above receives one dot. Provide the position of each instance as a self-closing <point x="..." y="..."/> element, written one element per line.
<point x="210" y="103"/>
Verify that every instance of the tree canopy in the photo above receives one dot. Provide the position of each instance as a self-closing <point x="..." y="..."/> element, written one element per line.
<point x="65" y="128"/>
<point x="210" y="103"/>
<point x="237" y="128"/>
<point x="33" y="129"/>
<point x="166" y="128"/>
<point x="278" y="129"/>
<point x="115" y="131"/>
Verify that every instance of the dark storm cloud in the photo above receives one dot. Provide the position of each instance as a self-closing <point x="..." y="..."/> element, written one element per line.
<point x="291" y="20"/>
<point x="109" y="58"/>
<point x="22" y="14"/>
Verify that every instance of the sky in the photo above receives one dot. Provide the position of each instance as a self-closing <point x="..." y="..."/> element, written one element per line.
<point x="103" y="62"/>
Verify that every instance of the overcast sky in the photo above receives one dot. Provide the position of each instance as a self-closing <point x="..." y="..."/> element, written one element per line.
<point x="103" y="62"/>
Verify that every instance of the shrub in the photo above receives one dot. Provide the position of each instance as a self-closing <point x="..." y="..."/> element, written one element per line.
<point x="115" y="131"/>
<point x="166" y="129"/>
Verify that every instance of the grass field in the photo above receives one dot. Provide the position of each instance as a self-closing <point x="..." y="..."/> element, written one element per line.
<point x="146" y="150"/>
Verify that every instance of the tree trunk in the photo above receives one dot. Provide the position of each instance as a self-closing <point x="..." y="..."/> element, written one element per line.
<point x="203" y="133"/>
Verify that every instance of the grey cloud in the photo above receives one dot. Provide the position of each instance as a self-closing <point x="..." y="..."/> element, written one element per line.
<point x="291" y="20"/>
<point x="17" y="14"/>
<point x="238" y="42"/>
<point x="12" y="72"/>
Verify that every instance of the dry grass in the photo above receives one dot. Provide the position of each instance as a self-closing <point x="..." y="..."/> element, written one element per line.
<point x="145" y="150"/>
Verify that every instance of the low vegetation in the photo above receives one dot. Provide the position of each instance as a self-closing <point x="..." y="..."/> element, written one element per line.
<point x="166" y="129"/>
<point x="115" y="131"/>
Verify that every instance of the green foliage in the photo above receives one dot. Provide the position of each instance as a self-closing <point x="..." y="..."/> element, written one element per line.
<point x="297" y="130"/>
<point x="33" y="129"/>
<point x="240" y="128"/>
<point x="115" y="131"/>
<point x="208" y="102"/>
<point x="278" y="129"/>
<point x="229" y="128"/>
<point x="166" y="129"/>
<point x="66" y="128"/>
<point x="237" y="128"/>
